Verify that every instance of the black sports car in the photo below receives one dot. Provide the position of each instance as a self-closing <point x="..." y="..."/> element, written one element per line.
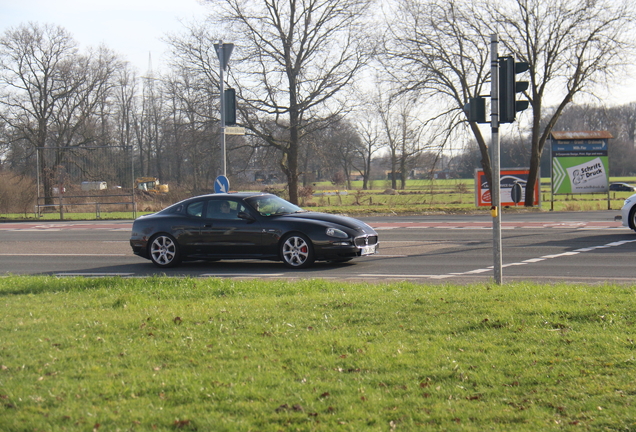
<point x="248" y="226"/>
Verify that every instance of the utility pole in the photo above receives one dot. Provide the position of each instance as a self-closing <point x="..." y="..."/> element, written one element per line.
<point x="495" y="187"/>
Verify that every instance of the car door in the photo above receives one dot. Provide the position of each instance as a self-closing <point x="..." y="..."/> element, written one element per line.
<point x="187" y="227"/>
<point x="225" y="234"/>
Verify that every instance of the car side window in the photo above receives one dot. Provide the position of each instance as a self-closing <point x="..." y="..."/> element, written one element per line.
<point x="195" y="209"/>
<point x="223" y="209"/>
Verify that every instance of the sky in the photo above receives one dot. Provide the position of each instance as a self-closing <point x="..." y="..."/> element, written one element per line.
<point x="132" y="28"/>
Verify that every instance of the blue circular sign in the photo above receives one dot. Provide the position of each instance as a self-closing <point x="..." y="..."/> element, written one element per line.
<point x="221" y="184"/>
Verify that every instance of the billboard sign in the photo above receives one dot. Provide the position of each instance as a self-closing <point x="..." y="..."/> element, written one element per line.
<point x="507" y="179"/>
<point x="579" y="165"/>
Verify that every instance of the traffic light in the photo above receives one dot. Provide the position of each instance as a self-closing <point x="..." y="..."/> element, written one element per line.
<point x="230" y="106"/>
<point x="509" y="87"/>
<point x="475" y="110"/>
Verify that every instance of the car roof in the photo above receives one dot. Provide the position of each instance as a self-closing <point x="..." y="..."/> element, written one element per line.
<point x="220" y="196"/>
<point x="240" y="195"/>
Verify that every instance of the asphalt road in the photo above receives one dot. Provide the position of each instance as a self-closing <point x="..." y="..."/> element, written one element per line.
<point x="585" y="247"/>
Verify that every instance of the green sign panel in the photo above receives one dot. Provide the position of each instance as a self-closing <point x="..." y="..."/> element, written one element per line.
<point x="579" y="166"/>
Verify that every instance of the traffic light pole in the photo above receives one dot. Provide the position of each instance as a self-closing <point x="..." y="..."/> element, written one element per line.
<point x="495" y="187"/>
<point x="223" y="51"/>
<point x="221" y="92"/>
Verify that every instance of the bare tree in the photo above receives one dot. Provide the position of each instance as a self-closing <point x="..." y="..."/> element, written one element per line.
<point x="370" y="134"/>
<point x="402" y="131"/>
<point x="293" y="57"/>
<point x="49" y="91"/>
<point x="439" y="48"/>
<point x="339" y="145"/>
<point x="33" y="60"/>
<point x="571" y="46"/>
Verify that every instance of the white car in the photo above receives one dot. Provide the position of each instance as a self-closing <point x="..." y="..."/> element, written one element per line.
<point x="628" y="212"/>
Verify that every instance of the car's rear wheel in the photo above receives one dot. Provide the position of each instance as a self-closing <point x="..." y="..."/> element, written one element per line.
<point x="164" y="251"/>
<point x="296" y="251"/>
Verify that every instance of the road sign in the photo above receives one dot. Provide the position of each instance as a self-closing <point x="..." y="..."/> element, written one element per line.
<point x="224" y="51"/>
<point x="221" y="184"/>
<point x="234" y="130"/>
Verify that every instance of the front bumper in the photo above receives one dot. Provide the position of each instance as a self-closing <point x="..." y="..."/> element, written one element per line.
<point x="364" y="245"/>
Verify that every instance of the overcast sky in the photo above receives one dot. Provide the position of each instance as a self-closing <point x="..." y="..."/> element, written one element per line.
<point x="132" y="28"/>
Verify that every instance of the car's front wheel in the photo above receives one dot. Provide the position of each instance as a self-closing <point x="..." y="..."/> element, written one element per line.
<point x="296" y="251"/>
<point x="164" y="251"/>
<point x="632" y="218"/>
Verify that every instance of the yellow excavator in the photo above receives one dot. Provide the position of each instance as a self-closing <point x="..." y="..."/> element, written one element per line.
<point x="150" y="184"/>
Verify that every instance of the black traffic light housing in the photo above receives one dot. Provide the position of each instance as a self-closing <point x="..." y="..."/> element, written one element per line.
<point x="509" y="87"/>
<point x="475" y="109"/>
<point x="229" y="105"/>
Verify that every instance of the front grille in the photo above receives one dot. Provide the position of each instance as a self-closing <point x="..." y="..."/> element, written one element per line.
<point x="366" y="240"/>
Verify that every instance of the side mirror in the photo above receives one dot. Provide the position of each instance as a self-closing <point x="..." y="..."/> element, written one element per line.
<point x="246" y="216"/>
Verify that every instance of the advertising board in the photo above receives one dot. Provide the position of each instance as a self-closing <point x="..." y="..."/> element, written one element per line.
<point x="579" y="162"/>
<point x="508" y="177"/>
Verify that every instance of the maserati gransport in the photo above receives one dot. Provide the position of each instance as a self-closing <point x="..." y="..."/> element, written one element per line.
<point x="249" y="226"/>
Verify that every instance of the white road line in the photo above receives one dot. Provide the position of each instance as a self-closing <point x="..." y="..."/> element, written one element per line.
<point x="93" y="274"/>
<point x="251" y="275"/>
<point x="388" y="275"/>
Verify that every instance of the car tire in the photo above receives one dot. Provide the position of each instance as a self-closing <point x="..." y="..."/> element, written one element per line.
<point x="296" y="251"/>
<point x="163" y="251"/>
<point x="632" y="218"/>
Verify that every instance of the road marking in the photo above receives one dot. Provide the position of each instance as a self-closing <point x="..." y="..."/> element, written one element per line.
<point x="378" y="226"/>
<point x="93" y="274"/>
<point x="490" y="268"/>
<point x="251" y="275"/>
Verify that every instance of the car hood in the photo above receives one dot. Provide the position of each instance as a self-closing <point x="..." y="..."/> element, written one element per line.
<point x="345" y="221"/>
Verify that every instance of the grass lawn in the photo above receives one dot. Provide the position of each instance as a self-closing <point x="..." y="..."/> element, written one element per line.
<point x="223" y="355"/>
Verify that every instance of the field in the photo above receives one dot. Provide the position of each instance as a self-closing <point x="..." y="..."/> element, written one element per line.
<point x="170" y="354"/>
<point x="419" y="197"/>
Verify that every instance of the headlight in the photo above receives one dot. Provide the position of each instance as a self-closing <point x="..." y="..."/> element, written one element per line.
<point x="334" y="232"/>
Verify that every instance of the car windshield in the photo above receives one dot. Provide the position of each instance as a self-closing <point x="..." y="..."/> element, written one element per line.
<point x="271" y="205"/>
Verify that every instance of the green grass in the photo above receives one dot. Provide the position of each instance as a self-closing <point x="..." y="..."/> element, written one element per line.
<point x="207" y="354"/>
<point x="71" y="216"/>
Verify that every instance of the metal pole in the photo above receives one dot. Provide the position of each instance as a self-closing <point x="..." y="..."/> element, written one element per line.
<point x="37" y="177"/>
<point x="223" y="152"/>
<point x="551" y="179"/>
<point x="132" y="182"/>
<point x="496" y="172"/>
